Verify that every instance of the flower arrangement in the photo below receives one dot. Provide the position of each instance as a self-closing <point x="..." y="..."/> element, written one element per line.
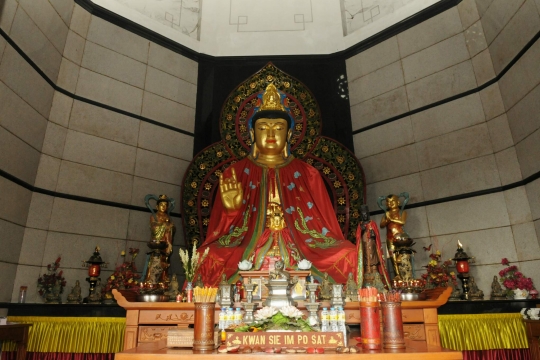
<point x="125" y="275"/>
<point x="192" y="265"/>
<point x="270" y="318"/>
<point x="512" y="279"/>
<point x="439" y="275"/>
<point x="52" y="282"/>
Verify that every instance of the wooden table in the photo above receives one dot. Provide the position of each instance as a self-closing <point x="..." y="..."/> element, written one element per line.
<point x="150" y="321"/>
<point x="17" y="333"/>
<point x="415" y="350"/>
<point x="533" y="333"/>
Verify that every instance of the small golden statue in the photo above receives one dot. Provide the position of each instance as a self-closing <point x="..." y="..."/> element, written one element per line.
<point x="474" y="292"/>
<point x="199" y="282"/>
<point x="351" y="291"/>
<point x="74" y="297"/>
<point x="398" y="241"/>
<point x="279" y="273"/>
<point x="162" y="230"/>
<point x="497" y="292"/>
<point x="174" y="288"/>
<point x="326" y="288"/>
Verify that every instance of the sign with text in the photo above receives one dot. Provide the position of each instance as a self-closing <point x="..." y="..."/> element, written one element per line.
<point x="286" y="339"/>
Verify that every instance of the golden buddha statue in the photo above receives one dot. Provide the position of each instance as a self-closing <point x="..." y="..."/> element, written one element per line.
<point x="272" y="205"/>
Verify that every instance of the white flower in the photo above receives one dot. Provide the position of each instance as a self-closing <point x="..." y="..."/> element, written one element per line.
<point x="304" y="264"/>
<point x="291" y="311"/>
<point x="192" y="265"/>
<point x="245" y="265"/>
<point x="265" y="313"/>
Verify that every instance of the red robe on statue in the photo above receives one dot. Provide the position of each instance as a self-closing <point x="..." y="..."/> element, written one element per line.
<point x="312" y="231"/>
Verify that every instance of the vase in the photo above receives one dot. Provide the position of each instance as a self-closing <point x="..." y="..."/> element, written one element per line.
<point x="52" y="298"/>
<point x="520" y="294"/>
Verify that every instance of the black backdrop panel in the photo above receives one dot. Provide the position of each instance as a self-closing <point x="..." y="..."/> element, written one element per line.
<point x="326" y="78"/>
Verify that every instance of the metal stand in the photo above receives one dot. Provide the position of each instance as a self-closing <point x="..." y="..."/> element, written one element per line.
<point x="313" y="318"/>
<point x="249" y="306"/>
<point x="465" y="283"/>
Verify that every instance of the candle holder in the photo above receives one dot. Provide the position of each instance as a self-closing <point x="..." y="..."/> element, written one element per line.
<point x="313" y="306"/>
<point x="225" y="292"/>
<point x="462" y="267"/>
<point x="94" y="265"/>
<point x="249" y="306"/>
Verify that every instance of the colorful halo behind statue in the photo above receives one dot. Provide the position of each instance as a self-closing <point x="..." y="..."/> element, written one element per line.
<point x="339" y="168"/>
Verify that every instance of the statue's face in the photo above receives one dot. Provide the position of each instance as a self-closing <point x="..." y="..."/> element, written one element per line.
<point x="392" y="202"/>
<point x="364" y="214"/>
<point x="162" y="206"/>
<point x="271" y="135"/>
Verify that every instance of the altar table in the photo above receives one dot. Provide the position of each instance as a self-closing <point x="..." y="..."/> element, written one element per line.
<point x="149" y="322"/>
<point x="415" y="350"/>
<point x="533" y="333"/>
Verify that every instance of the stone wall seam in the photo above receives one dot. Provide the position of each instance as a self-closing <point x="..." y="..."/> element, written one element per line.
<point x="457" y="96"/>
<point x="83" y="99"/>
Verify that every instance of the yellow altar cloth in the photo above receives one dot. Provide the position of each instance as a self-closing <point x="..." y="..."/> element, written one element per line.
<point x="482" y="332"/>
<point x="72" y="334"/>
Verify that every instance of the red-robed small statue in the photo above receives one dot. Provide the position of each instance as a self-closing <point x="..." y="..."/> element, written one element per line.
<point x="374" y="269"/>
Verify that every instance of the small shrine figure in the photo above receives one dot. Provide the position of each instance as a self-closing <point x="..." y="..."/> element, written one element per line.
<point x="351" y="291"/>
<point x="279" y="273"/>
<point x="74" y="297"/>
<point x="474" y="292"/>
<point x="199" y="282"/>
<point x="456" y="293"/>
<point x="497" y="292"/>
<point x="162" y="230"/>
<point x="326" y="288"/>
<point x="398" y="241"/>
<point x="95" y="296"/>
<point x="173" y="288"/>
<point x="223" y="279"/>
<point x="368" y="238"/>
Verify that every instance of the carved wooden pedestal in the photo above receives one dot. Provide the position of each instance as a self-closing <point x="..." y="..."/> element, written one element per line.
<point x="148" y="322"/>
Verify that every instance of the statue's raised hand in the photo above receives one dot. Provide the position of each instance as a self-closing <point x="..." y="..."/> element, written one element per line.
<point x="231" y="192"/>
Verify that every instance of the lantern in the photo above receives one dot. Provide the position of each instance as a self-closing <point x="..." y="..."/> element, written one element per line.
<point x="94" y="264"/>
<point x="462" y="266"/>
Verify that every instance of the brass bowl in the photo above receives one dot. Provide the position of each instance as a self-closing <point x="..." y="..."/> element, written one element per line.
<point x="152" y="298"/>
<point x="413" y="296"/>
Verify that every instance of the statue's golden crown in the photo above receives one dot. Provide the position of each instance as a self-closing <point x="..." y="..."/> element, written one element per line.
<point x="163" y="198"/>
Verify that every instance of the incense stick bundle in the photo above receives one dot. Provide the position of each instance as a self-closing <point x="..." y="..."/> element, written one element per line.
<point x="368" y="294"/>
<point x="206" y="294"/>
<point x="391" y="296"/>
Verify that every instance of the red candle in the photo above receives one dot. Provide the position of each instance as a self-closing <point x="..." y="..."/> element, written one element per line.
<point x="462" y="266"/>
<point x="94" y="270"/>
